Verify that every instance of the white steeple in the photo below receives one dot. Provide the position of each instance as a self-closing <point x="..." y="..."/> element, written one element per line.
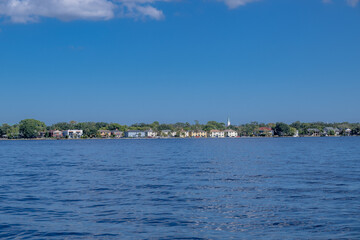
<point x="228" y="122"/>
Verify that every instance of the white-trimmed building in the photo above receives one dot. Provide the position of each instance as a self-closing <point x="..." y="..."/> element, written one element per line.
<point x="150" y="133"/>
<point x="230" y="133"/>
<point x="167" y="133"/>
<point x="217" y="133"/>
<point x="73" y="133"/>
<point x="347" y="132"/>
<point x="184" y="134"/>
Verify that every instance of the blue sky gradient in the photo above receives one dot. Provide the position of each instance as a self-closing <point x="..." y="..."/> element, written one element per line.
<point x="266" y="61"/>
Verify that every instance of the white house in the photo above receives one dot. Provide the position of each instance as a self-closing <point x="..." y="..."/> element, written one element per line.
<point x="150" y="133"/>
<point x="73" y="133"/>
<point x="168" y="133"/>
<point x="347" y="132"/>
<point x="230" y="133"/>
<point x="184" y="134"/>
<point x="217" y="133"/>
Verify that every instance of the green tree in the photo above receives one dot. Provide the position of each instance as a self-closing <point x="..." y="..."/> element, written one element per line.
<point x="30" y="128"/>
<point x="292" y="131"/>
<point x="114" y="126"/>
<point x="13" y="132"/>
<point x="4" y="129"/>
<point x="282" y="129"/>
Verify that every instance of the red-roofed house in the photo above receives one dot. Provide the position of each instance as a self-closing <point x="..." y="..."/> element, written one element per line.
<point x="265" y="131"/>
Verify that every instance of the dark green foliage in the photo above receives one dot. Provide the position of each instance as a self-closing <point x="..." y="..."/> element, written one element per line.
<point x="282" y="129"/>
<point x="31" y="128"/>
<point x="214" y="125"/>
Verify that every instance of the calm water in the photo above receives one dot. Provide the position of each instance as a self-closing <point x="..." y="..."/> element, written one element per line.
<point x="291" y="188"/>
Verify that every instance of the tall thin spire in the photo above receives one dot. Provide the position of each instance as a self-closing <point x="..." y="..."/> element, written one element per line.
<point x="228" y="122"/>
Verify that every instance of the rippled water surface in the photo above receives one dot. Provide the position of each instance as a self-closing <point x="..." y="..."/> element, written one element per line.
<point x="292" y="188"/>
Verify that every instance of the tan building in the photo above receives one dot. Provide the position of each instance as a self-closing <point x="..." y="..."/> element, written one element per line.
<point x="56" y="133"/>
<point x="198" y="134"/>
<point x="104" y="133"/>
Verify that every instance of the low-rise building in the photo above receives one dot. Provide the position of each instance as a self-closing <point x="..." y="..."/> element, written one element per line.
<point x="55" y="133"/>
<point x="104" y="133"/>
<point x="184" y="134"/>
<point x="117" y="134"/>
<point x="347" y="132"/>
<point x="331" y="131"/>
<point x="73" y="133"/>
<point x="313" y="132"/>
<point x="266" y="131"/>
<point x="135" y="134"/>
<point x="150" y="133"/>
<point x="216" y="133"/>
<point x="165" y="133"/>
<point x="230" y="133"/>
<point x="198" y="134"/>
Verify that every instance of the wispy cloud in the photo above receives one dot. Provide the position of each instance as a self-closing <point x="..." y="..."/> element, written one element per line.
<point x="24" y="11"/>
<point x="140" y="9"/>
<point x="353" y="3"/>
<point x="237" y="3"/>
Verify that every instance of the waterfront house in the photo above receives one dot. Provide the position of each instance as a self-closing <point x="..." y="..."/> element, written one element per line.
<point x="165" y="133"/>
<point x="198" y="134"/>
<point x="313" y="132"/>
<point x="104" y="133"/>
<point x="347" y="132"/>
<point x="55" y="133"/>
<point x="150" y="133"/>
<point x="135" y="134"/>
<point x="73" y="133"/>
<point x="230" y="133"/>
<point x="184" y="134"/>
<point x="217" y="133"/>
<point x="331" y="131"/>
<point x="117" y="134"/>
<point x="266" y="131"/>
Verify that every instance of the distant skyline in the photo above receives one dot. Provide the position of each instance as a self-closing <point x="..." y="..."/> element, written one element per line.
<point x="132" y="61"/>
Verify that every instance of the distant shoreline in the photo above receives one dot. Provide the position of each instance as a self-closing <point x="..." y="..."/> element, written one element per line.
<point x="73" y="139"/>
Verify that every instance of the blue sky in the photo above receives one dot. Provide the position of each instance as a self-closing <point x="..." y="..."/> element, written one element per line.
<point x="131" y="61"/>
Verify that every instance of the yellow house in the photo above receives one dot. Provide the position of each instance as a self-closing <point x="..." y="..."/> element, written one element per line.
<point x="198" y="134"/>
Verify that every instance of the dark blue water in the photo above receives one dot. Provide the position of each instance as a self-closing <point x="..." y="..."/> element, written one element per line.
<point x="290" y="188"/>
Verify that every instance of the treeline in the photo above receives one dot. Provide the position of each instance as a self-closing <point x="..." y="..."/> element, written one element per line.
<point x="31" y="128"/>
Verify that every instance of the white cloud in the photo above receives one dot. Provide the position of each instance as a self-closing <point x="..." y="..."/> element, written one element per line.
<point x="140" y="9"/>
<point x="237" y="3"/>
<point x="23" y="11"/>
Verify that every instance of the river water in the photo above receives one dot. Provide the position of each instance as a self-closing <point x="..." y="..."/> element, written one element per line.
<point x="253" y="188"/>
